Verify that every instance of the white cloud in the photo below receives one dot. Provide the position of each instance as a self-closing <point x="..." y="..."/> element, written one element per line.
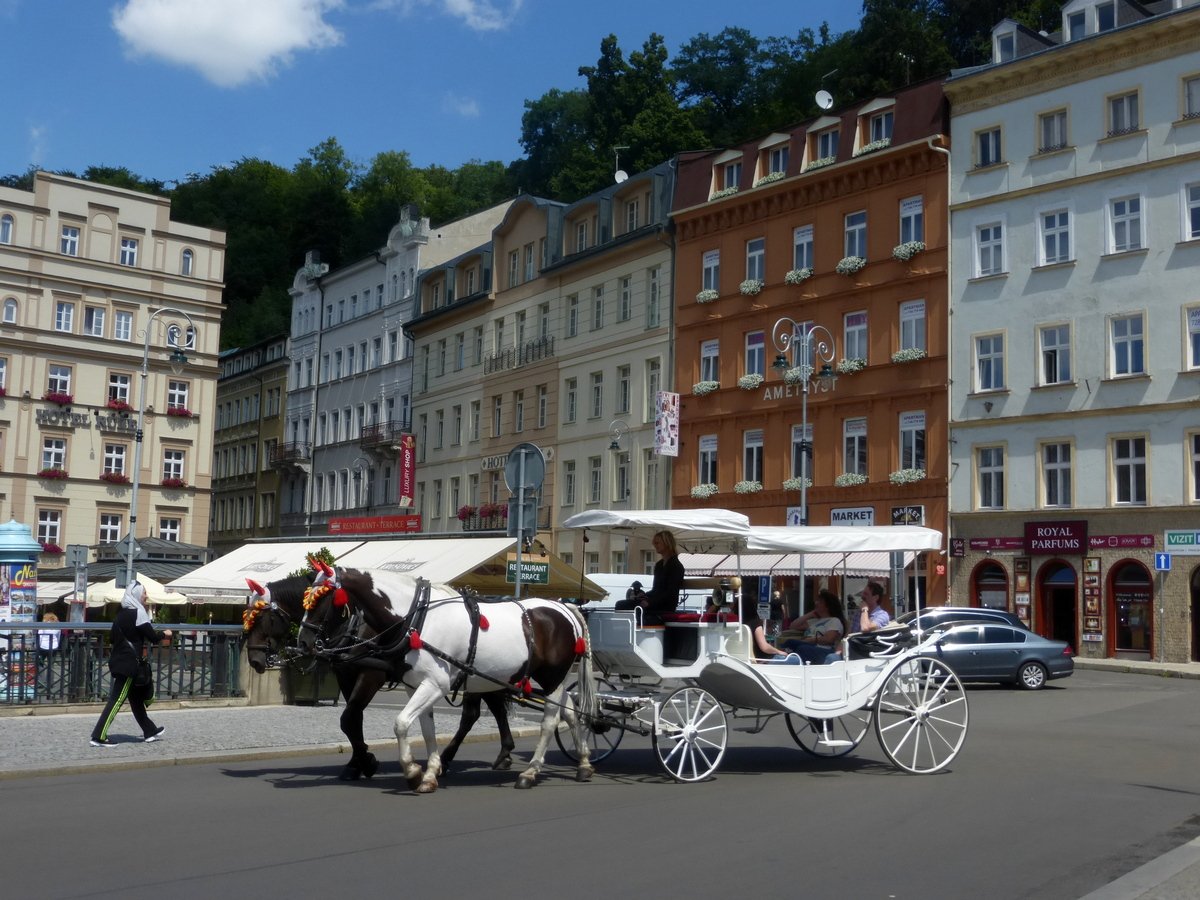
<point x="230" y="42"/>
<point x="37" y="144"/>
<point x="478" y="15"/>
<point x="460" y="106"/>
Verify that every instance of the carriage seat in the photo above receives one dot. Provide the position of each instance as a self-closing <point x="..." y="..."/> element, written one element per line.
<point x="886" y="641"/>
<point x="676" y="618"/>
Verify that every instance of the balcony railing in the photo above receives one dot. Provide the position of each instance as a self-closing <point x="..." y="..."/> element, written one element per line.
<point x="514" y="357"/>
<point x="290" y="454"/>
<point x="382" y="434"/>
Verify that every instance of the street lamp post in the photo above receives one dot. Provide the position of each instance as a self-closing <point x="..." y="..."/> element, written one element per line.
<point x="178" y="361"/>
<point x="361" y="465"/>
<point x="813" y="344"/>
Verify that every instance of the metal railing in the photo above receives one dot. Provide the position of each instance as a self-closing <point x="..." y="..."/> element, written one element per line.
<point x="200" y="661"/>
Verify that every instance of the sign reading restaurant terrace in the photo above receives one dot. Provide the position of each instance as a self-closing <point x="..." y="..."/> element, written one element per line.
<point x="1056" y="537"/>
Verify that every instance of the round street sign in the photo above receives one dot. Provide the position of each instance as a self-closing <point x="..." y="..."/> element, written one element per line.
<point x="534" y="471"/>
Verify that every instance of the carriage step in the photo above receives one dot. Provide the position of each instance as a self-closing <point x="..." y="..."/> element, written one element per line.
<point x="833" y="743"/>
<point x="622" y="701"/>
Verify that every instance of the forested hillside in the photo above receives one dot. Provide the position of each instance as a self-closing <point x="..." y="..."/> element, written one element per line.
<point x="718" y="90"/>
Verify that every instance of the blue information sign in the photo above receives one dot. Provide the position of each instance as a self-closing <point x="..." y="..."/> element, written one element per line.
<point x="1162" y="562"/>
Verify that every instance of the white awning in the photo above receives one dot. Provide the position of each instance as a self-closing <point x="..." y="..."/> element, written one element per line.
<point x="224" y="580"/>
<point x="860" y="563"/>
<point x="695" y="530"/>
<point x="156" y="592"/>
<point x="51" y="591"/>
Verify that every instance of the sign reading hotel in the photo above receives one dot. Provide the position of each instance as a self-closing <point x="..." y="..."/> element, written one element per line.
<point x="408" y="469"/>
<point x="1052" y="538"/>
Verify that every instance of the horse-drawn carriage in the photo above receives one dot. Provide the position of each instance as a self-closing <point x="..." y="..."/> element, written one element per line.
<point x="678" y="682"/>
<point x="682" y="680"/>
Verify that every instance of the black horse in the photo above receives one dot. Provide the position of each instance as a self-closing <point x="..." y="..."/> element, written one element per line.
<point x="268" y="620"/>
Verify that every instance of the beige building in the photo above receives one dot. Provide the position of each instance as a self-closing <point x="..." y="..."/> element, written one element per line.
<point x="557" y="333"/>
<point x="251" y="393"/>
<point x="97" y="286"/>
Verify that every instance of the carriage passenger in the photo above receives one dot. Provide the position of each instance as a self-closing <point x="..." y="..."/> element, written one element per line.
<point x="872" y="616"/>
<point x="761" y="647"/>
<point x="822" y="628"/>
<point x="663" y="595"/>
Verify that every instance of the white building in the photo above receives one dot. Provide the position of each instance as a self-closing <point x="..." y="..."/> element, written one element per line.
<point x="1075" y="439"/>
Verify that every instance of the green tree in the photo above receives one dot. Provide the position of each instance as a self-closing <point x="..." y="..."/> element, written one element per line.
<point x="553" y="128"/>
<point x="320" y="213"/>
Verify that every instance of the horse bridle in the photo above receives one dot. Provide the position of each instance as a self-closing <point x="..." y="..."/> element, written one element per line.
<point x="250" y="618"/>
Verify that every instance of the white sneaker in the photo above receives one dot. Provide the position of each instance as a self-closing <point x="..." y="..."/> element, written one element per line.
<point x="151" y="738"/>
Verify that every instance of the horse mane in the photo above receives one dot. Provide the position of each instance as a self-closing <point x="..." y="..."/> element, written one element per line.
<point x="289" y="592"/>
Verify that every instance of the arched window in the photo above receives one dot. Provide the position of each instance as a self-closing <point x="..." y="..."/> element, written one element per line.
<point x="186" y="263"/>
<point x="10" y="311"/>
<point x="991" y="586"/>
<point x="6" y="229"/>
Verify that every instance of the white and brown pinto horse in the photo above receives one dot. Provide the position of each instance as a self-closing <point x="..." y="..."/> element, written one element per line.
<point x="272" y="610"/>
<point x="446" y="644"/>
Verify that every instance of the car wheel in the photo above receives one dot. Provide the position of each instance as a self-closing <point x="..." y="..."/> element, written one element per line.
<point x="1032" y="676"/>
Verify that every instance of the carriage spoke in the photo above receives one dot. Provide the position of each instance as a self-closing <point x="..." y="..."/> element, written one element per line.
<point x="927" y="711"/>
<point x="690" y="734"/>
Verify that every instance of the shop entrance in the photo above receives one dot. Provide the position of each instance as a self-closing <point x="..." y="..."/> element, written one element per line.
<point x="1057" y="612"/>
<point x="1133" y="611"/>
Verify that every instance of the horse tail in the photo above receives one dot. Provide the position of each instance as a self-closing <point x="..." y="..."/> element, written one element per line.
<point x="586" y="703"/>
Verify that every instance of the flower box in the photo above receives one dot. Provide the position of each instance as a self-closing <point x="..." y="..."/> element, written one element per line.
<point x="708" y="295"/>
<point x="820" y="163"/>
<point x="769" y="177"/>
<point x="3" y="392"/>
<point x="798" y="276"/>
<point x="50" y="547"/>
<point x="849" y="479"/>
<point x="906" y="251"/>
<point x="493" y="511"/>
<point x="59" y="397"/>
<point x="850" y="265"/>
<point x="751" y="287"/>
<point x="796" y="484"/>
<point x="881" y="144"/>
<point x="794" y="375"/>
<point x="751" y="382"/>
<point x="908" y="354"/>
<point x="703" y="491"/>
<point x="700" y="388"/>
<point x="724" y="192"/>
<point x="119" y="406"/>
<point x="114" y="477"/>
<point x="179" y="412"/>
<point x="465" y="512"/>
<point x="907" y="476"/>
<point x="174" y="483"/>
<point x="747" y="487"/>
<point x="53" y="473"/>
<point x="853" y="364"/>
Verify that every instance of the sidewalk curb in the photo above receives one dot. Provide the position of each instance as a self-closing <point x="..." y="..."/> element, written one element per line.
<point x="1136" y="667"/>
<point x="1154" y="874"/>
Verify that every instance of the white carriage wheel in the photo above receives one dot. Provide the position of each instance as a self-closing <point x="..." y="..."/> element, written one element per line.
<point x="921" y="715"/>
<point x="691" y="735"/>
<point x="602" y="737"/>
<point x="829" y="737"/>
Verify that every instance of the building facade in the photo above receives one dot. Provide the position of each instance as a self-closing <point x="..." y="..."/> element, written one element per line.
<point x="98" y="287"/>
<point x="1075" y="441"/>
<point x="828" y="239"/>
<point x="251" y="392"/>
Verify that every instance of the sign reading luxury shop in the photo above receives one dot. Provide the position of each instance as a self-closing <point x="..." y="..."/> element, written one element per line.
<point x="57" y="417"/>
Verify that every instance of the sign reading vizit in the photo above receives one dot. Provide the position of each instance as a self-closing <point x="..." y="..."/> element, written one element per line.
<point x="1184" y="541"/>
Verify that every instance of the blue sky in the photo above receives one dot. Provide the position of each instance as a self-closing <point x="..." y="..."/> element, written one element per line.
<point x="171" y="87"/>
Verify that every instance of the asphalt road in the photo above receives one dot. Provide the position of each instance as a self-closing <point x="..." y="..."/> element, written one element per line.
<point x="1054" y="795"/>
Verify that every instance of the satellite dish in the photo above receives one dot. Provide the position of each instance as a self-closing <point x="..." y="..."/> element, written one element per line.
<point x="824" y="99"/>
<point x="621" y="176"/>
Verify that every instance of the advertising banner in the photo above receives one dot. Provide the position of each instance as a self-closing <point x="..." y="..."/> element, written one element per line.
<point x="408" y="469"/>
<point x="666" y="424"/>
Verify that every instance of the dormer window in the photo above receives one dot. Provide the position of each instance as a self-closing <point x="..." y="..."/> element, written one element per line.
<point x="881" y="126"/>
<point x="1006" y="47"/>
<point x="1106" y="16"/>
<point x="732" y="175"/>
<point x="777" y="160"/>
<point x="1076" y="25"/>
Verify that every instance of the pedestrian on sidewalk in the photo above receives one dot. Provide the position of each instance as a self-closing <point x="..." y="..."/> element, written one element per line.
<point x="132" y="633"/>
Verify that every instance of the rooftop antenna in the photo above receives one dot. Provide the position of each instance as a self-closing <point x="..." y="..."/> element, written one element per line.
<point x="824" y="98"/>
<point x="620" y="175"/>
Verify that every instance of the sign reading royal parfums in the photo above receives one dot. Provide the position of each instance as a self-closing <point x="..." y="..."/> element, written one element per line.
<point x="1052" y="538"/>
<point x="531" y="572"/>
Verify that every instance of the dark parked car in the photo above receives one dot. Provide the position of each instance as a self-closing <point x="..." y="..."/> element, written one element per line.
<point x="985" y="651"/>
<point x="932" y="616"/>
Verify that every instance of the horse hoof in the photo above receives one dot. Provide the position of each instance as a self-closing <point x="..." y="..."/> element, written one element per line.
<point x="426" y="787"/>
<point x="370" y="765"/>
<point x="503" y="764"/>
<point x="414" y="781"/>
<point x="524" y="783"/>
<point x="584" y="774"/>
<point x="350" y="773"/>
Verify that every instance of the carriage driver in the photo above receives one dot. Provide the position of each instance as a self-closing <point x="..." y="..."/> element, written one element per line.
<point x="663" y="595"/>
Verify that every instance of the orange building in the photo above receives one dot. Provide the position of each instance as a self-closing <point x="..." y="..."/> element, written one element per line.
<point x="795" y="243"/>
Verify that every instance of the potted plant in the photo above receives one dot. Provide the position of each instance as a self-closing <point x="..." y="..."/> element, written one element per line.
<point x="797" y="483"/>
<point x="703" y="491"/>
<point x="798" y="276"/>
<point x="700" y="388"/>
<point x="768" y="178"/>
<point x="179" y="412"/>
<point x="906" y="476"/>
<point x="747" y="487"/>
<point x="708" y="295"/>
<point x="751" y="287"/>
<point x="3" y="392"/>
<point x="820" y="163"/>
<point x="53" y="473"/>
<point x="119" y="406"/>
<point x="724" y="192"/>
<point x="172" y="483"/>
<point x="794" y="375"/>
<point x="849" y="479"/>
<point x="750" y="382"/>
<point x="852" y="364"/>
<point x="465" y="512"/>
<point x="51" y="547"/>
<point x="906" y="251"/>
<point x="850" y="265"/>
<point x="60" y="397"/>
<point x="908" y="354"/>
<point x="114" y="477"/>
<point x="880" y="144"/>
